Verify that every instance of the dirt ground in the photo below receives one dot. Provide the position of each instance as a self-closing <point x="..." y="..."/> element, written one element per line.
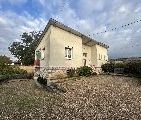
<point x="98" y="97"/>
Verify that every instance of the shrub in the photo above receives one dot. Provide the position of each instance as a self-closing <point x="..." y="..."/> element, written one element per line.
<point x="84" y="71"/>
<point x="58" y="75"/>
<point x="10" y="70"/>
<point x="132" y="68"/>
<point x="119" y="65"/>
<point x="4" y="78"/>
<point x="71" y="72"/>
<point x="108" y="67"/>
<point x="42" y="81"/>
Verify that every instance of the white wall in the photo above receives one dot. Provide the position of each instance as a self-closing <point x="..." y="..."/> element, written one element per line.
<point x="87" y="49"/>
<point x="94" y="56"/>
<point x="55" y="41"/>
<point x="45" y="42"/>
<point x="102" y="52"/>
<point x="58" y="41"/>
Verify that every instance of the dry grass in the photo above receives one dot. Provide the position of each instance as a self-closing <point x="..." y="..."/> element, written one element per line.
<point x="99" y="97"/>
<point x="29" y="69"/>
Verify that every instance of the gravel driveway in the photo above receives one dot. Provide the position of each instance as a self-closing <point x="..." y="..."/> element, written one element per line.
<point x="98" y="97"/>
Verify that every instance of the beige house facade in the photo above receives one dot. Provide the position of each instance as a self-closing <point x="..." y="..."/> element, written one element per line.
<point x="62" y="46"/>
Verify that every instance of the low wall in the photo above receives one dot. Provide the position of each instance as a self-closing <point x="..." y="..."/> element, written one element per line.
<point x="51" y="72"/>
<point x="57" y="72"/>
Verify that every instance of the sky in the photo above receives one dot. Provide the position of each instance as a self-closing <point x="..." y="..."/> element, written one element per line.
<point x="86" y="16"/>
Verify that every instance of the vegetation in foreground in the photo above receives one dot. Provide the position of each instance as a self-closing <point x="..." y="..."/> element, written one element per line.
<point x="81" y="71"/>
<point x="132" y="68"/>
<point x="98" y="97"/>
<point x="8" y="72"/>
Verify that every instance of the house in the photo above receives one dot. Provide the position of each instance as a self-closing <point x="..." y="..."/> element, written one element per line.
<point x="62" y="46"/>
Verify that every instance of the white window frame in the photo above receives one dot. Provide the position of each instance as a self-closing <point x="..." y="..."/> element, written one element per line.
<point x="67" y="53"/>
<point x="104" y="57"/>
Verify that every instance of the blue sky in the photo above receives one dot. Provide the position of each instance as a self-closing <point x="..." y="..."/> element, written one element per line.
<point x="86" y="16"/>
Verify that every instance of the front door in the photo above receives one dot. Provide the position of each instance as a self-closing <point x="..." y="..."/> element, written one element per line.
<point x="84" y="62"/>
<point x="84" y="59"/>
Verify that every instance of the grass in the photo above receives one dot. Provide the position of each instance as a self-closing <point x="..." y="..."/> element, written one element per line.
<point x="98" y="97"/>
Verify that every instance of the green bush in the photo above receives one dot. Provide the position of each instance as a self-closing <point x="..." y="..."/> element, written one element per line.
<point x="10" y="70"/>
<point x="84" y="71"/>
<point x="42" y="81"/>
<point x="4" y="78"/>
<point x="71" y="72"/>
<point x="119" y="65"/>
<point x="132" y="68"/>
<point x="108" y="67"/>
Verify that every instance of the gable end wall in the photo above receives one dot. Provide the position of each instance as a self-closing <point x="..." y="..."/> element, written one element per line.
<point x="59" y="39"/>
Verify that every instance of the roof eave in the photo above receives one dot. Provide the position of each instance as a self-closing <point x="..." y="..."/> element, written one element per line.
<point x="64" y="27"/>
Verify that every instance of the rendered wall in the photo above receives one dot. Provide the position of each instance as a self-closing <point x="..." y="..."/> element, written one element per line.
<point x="45" y="43"/>
<point x="55" y="41"/>
<point x="87" y="49"/>
<point x="101" y="51"/>
<point x="60" y="39"/>
<point x="94" y="56"/>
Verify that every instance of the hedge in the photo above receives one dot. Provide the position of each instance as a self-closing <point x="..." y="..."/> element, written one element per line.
<point x="132" y="67"/>
<point x="8" y="72"/>
<point x="81" y="71"/>
<point x="4" y="78"/>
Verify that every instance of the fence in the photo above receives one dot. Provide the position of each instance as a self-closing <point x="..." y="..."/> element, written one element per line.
<point x="119" y="70"/>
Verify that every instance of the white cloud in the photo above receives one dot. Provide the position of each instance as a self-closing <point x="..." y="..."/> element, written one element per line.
<point x="13" y="25"/>
<point x="87" y="7"/>
<point x="50" y="6"/>
<point x="2" y="21"/>
<point x="97" y="16"/>
<point x="138" y="10"/>
<point x="87" y="16"/>
<point x="122" y="9"/>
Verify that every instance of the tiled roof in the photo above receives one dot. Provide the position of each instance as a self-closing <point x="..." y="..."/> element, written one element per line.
<point x="88" y="41"/>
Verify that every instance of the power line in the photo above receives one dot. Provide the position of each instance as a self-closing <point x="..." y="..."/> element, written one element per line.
<point x="61" y="9"/>
<point x="66" y="3"/>
<point x="117" y="28"/>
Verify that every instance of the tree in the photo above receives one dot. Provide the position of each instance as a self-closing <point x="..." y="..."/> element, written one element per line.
<point x="24" y="50"/>
<point x="5" y="60"/>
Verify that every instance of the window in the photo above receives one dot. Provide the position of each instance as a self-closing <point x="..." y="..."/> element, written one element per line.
<point x="38" y="54"/>
<point x="84" y="62"/>
<point x="85" y="54"/>
<point x="99" y="57"/>
<point x="104" y="57"/>
<point x="68" y="52"/>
